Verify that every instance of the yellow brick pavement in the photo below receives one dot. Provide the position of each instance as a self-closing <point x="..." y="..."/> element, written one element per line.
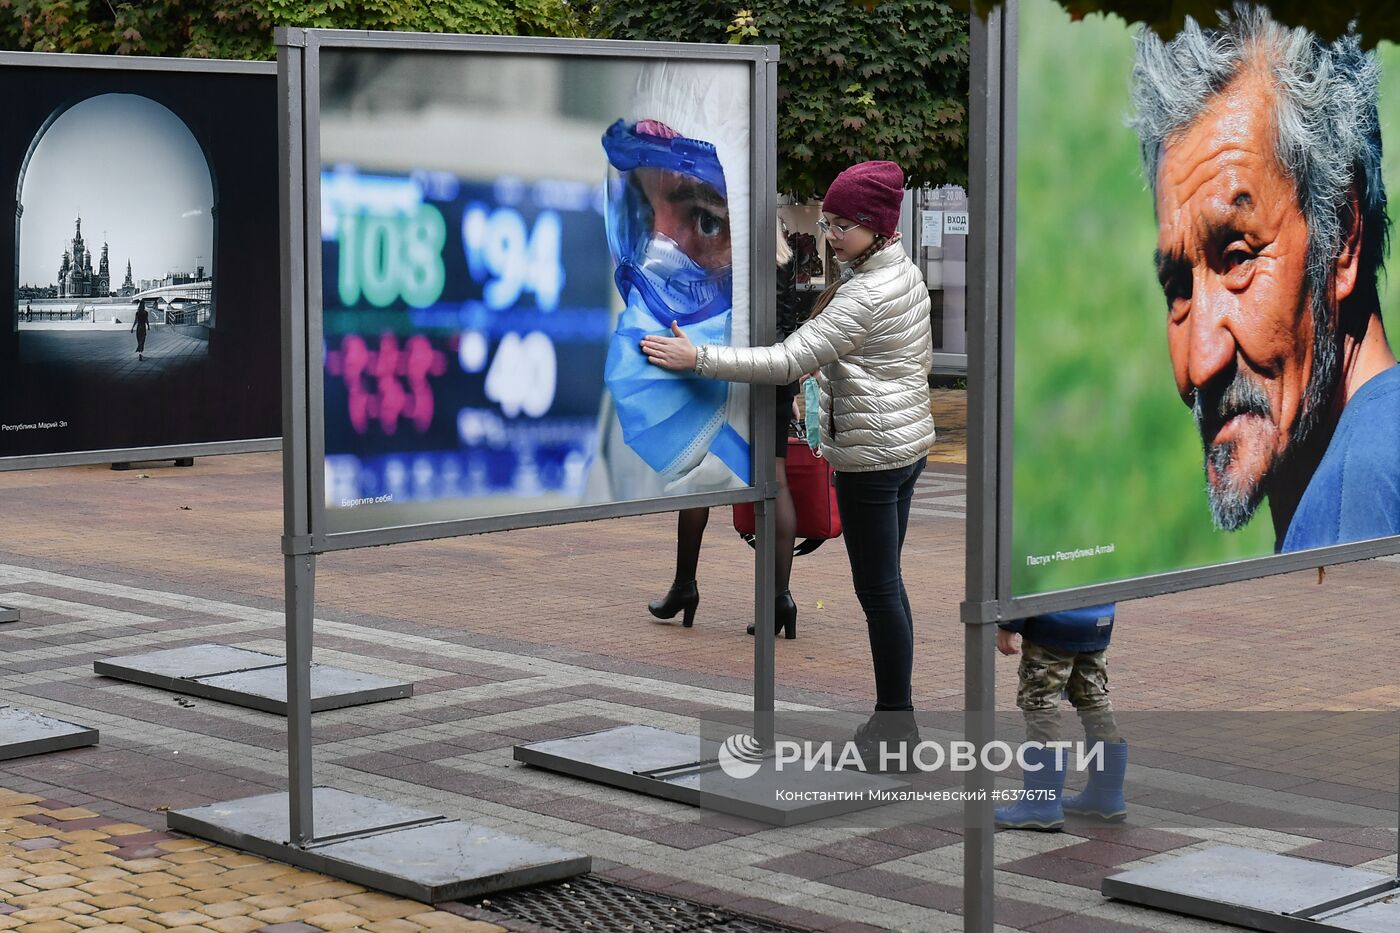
<point x="64" y="869"/>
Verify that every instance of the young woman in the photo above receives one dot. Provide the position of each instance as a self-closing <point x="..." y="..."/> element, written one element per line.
<point x="870" y="336"/>
<point x="143" y="319"/>
<point x="684" y="594"/>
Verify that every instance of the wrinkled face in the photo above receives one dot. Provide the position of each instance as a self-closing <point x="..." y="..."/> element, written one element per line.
<point x="690" y="212"/>
<point x="1231" y="257"/>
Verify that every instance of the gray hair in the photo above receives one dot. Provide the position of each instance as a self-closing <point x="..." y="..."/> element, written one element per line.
<point x="1328" y="135"/>
<point x="1327" y="140"/>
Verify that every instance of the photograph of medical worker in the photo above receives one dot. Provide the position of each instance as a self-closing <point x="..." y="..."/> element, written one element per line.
<point x="485" y="293"/>
<point x="678" y="229"/>
<point x="1200" y="296"/>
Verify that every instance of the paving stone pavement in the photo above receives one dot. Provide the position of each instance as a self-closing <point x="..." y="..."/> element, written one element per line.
<point x="65" y="868"/>
<point x="522" y="636"/>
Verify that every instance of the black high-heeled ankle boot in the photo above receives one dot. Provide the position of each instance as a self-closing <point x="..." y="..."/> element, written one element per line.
<point x="681" y="596"/>
<point x="784" y="616"/>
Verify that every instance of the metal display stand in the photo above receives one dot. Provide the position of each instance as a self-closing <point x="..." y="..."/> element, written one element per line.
<point x="246" y="678"/>
<point x="1264" y="891"/>
<point x="377" y="842"/>
<point x="685" y="768"/>
<point x="1257" y="890"/>
<point x="412" y="853"/>
<point x="24" y="733"/>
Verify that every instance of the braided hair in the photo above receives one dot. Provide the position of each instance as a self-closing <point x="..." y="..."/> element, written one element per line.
<point x="825" y="297"/>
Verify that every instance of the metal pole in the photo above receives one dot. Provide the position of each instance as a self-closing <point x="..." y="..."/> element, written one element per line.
<point x="979" y="847"/>
<point x="300" y="565"/>
<point x="763" y="416"/>
<point x="764" y="662"/>
<point x="301" y="608"/>
<point x="984" y="461"/>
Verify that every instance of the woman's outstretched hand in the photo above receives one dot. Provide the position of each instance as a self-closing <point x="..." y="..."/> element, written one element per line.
<point x="675" y="353"/>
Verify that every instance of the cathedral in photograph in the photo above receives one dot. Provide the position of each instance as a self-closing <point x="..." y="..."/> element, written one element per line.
<point x="76" y="278"/>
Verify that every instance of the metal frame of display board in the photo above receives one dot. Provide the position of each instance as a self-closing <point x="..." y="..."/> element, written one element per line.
<point x="1262" y="891"/>
<point x="14" y="720"/>
<point x="310" y="834"/>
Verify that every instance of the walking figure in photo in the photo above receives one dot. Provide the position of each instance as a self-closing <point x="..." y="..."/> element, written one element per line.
<point x="143" y="318"/>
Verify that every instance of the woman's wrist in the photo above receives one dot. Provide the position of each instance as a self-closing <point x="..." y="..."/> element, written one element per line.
<point x="702" y="353"/>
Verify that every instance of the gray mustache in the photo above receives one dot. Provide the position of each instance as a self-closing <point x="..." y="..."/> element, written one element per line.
<point x="1213" y="407"/>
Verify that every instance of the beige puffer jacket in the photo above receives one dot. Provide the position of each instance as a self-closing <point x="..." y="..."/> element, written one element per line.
<point x="874" y="346"/>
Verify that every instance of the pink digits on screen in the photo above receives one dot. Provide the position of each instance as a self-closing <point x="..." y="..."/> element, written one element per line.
<point x="375" y="380"/>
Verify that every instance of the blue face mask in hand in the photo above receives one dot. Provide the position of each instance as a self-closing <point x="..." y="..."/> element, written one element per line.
<point x="671" y="420"/>
<point x="812" y="403"/>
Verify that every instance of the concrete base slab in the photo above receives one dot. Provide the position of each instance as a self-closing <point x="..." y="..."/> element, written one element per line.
<point x="685" y="768"/>
<point x="8" y="615"/>
<point x="24" y="733"/>
<point x="1257" y="890"/>
<point x="381" y="845"/>
<point x="248" y="678"/>
<point x="1380" y="916"/>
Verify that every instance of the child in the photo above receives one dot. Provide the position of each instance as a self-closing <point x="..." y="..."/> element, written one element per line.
<point x="1065" y="652"/>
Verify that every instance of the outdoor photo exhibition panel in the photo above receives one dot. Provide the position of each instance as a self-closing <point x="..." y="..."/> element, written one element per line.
<point x="141" y="315"/>
<point x="1156" y="432"/>
<point x="478" y="231"/>
<point x="480" y="305"/>
<point x="141" y="307"/>
<point x="1177" y="380"/>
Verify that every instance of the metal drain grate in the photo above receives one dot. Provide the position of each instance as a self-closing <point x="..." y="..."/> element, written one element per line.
<point x="592" y="905"/>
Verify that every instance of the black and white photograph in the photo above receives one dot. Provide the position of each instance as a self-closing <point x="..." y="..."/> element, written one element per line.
<point x="152" y="201"/>
<point x="143" y="304"/>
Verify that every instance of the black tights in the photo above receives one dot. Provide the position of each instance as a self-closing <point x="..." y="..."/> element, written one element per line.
<point x="690" y="532"/>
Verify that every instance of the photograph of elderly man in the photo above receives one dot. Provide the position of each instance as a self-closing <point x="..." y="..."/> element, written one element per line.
<point x="1202" y="370"/>
<point x="1262" y="147"/>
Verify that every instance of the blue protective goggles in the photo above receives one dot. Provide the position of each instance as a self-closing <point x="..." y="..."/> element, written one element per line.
<point x="672" y="285"/>
<point x="627" y="150"/>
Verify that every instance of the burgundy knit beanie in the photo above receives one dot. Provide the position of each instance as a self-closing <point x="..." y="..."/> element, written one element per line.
<point x="869" y="193"/>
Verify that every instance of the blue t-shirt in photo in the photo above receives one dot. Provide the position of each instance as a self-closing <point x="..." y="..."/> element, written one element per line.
<point x="1355" y="493"/>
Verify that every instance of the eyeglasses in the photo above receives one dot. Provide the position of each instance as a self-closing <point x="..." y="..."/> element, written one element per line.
<point x="835" y="231"/>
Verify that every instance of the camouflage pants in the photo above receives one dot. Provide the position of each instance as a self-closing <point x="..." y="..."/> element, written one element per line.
<point x="1046" y="674"/>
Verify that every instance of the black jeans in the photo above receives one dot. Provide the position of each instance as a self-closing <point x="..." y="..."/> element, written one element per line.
<point x="874" y="516"/>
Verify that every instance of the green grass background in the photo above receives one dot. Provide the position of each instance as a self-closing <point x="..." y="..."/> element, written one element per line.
<point x="1104" y="450"/>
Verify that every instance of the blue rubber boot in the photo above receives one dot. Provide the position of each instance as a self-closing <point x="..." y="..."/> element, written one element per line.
<point x="1103" y="795"/>
<point x="1040" y="809"/>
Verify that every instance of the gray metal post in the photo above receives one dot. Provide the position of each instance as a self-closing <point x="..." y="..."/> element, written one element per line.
<point x="301" y="606"/>
<point x="979" y="845"/>
<point x="763" y="417"/>
<point x="300" y="566"/>
<point x="984" y="347"/>
<point x="764" y="662"/>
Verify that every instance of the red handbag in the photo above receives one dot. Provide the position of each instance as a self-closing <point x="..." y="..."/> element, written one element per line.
<point x="810" y="480"/>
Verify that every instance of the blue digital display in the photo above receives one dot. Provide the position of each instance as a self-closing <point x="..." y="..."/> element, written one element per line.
<point x="466" y="326"/>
